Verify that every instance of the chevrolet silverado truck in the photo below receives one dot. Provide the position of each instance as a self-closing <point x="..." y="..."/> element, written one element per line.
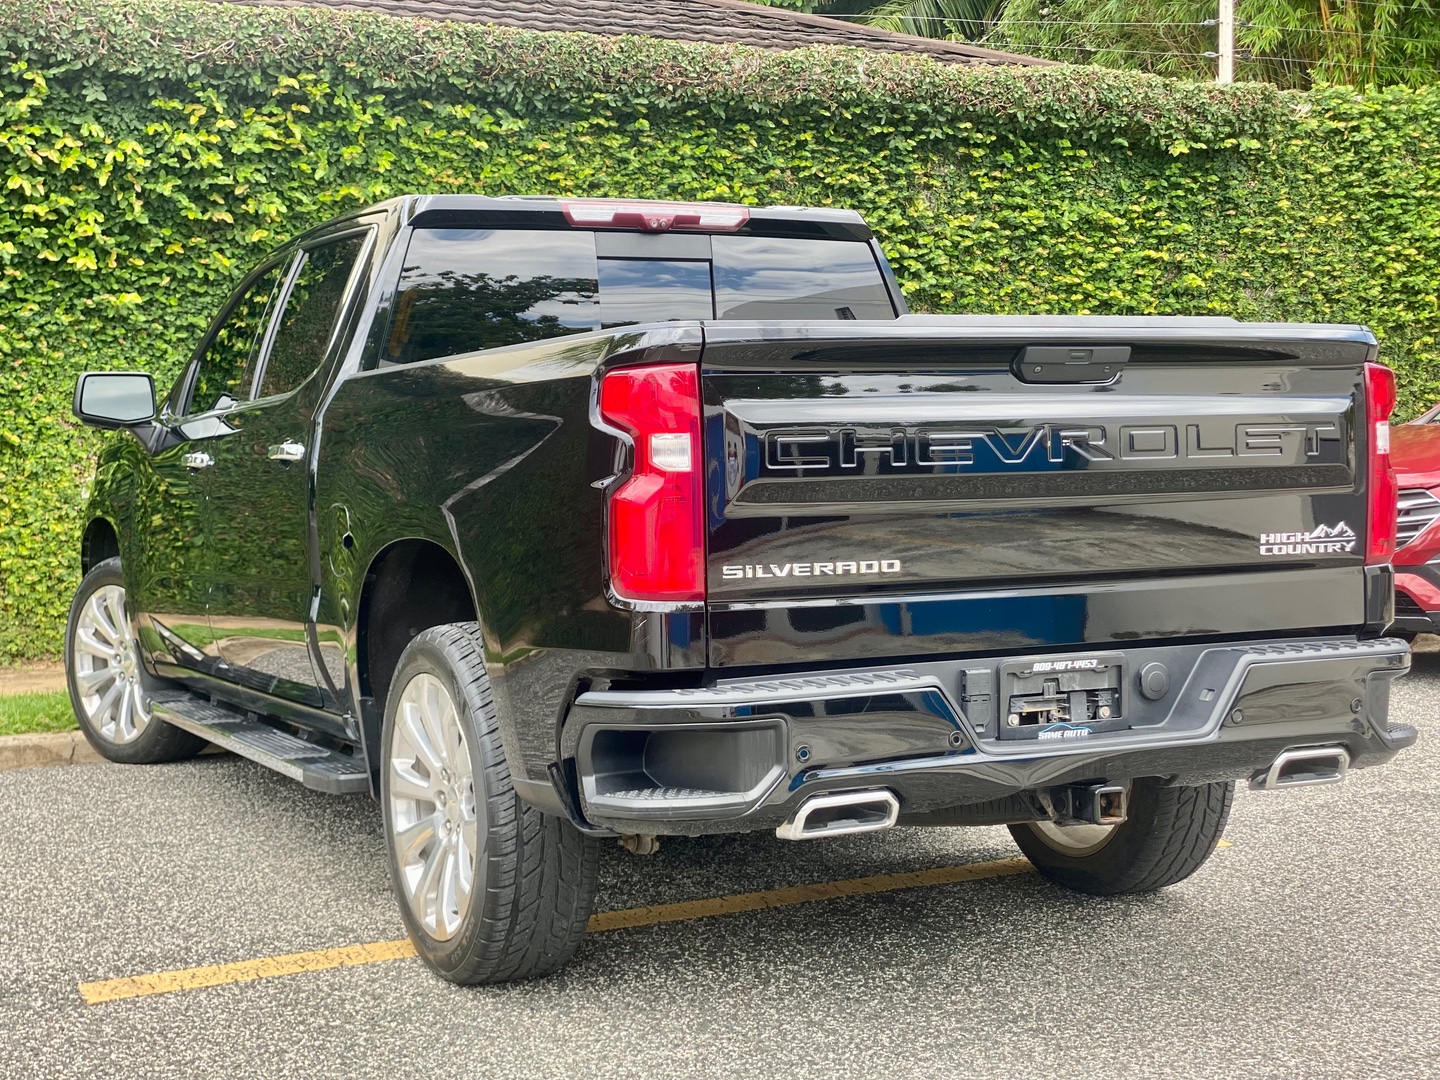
<point x="548" y="521"/>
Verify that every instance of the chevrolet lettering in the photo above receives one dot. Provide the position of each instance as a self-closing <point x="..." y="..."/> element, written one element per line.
<point x="978" y="448"/>
<point x="550" y="523"/>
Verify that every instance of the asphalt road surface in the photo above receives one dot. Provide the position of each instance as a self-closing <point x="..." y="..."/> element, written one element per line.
<point x="1309" y="946"/>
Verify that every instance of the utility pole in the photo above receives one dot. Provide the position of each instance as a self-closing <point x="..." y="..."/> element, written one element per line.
<point x="1226" y="72"/>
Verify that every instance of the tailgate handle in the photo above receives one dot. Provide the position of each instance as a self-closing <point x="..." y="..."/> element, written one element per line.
<point x="1071" y="363"/>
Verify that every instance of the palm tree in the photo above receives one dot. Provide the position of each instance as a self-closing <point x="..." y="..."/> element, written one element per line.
<point x="966" y="20"/>
<point x="1289" y="42"/>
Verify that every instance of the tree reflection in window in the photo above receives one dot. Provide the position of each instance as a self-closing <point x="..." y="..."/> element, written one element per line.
<point x="463" y="290"/>
<point x="223" y="375"/>
<point x="452" y="313"/>
<point x="309" y="317"/>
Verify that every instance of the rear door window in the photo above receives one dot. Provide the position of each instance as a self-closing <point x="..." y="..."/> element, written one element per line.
<point x="308" y="320"/>
<point x="763" y="277"/>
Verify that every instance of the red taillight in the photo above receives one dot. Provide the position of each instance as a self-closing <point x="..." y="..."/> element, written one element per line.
<point x="656" y="517"/>
<point x="654" y="216"/>
<point x="1384" y="490"/>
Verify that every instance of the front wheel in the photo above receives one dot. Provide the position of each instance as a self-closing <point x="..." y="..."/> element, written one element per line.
<point x="106" y="681"/>
<point x="491" y="890"/>
<point x="1168" y="835"/>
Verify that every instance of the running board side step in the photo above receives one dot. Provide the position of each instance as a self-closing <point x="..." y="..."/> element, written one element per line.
<point x="314" y="766"/>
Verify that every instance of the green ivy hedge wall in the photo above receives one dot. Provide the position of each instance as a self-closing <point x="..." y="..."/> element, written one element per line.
<point x="151" y="151"/>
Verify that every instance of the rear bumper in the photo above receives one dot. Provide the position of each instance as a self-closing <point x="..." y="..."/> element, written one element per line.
<point x="743" y="755"/>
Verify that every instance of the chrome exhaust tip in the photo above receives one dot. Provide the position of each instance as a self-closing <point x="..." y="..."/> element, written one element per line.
<point x="1305" y="767"/>
<point x="842" y="814"/>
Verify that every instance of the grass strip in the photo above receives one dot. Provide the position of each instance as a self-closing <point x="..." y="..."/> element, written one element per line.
<point x="32" y="714"/>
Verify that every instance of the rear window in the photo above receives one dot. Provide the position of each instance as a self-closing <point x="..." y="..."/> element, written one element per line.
<point x="762" y="277"/>
<point x="654" y="290"/>
<point x="463" y="290"/>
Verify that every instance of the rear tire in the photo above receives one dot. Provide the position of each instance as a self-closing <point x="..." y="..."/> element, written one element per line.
<point x="491" y="890"/>
<point x="1168" y="835"/>
<point x="108" y="685"/>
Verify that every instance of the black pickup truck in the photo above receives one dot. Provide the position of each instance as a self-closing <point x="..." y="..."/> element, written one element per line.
<point x="545" y="521"/>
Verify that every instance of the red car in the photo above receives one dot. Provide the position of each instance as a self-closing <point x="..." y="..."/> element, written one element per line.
<point x="1415" y="453"/>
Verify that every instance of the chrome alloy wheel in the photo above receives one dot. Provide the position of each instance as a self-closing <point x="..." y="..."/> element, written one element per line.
<point x="105" y="665"/>
<point x="432" y="807"/>
<point x="1073" y="840"/>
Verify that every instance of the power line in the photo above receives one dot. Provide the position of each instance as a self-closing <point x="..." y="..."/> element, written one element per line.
<point x="1068" y="25"/>
<point x="1096" y="50"/>
<point x="1060" y="23"/>
<point x="1209" y="23"/>
<point x="1127" y="52"/>
<point x="867" y="16"/>
<point x="1177" y="24"/>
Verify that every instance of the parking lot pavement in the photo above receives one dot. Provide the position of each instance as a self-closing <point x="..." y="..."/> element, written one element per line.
<point x="1310" y="946"/>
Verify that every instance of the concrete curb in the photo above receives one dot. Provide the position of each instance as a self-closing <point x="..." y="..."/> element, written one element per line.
<point x="59" y="748"/>
<point x="54" y="748"/>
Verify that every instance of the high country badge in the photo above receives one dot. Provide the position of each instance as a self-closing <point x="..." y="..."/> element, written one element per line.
<point x="1322" y="540"/>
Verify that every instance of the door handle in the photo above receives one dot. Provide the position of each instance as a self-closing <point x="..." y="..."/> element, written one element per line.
<point x="287" y="451"/>
<point x="199" y="460"/>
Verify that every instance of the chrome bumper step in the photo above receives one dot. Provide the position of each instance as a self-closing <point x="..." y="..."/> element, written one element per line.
<point x="314" y="766"/>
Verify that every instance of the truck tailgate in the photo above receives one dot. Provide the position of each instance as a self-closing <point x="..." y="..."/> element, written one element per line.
<point x="922" y="486"/>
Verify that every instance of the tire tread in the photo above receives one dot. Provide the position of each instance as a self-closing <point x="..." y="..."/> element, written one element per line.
<point x="541" y="872"/>
<point x="1170" y="834"/>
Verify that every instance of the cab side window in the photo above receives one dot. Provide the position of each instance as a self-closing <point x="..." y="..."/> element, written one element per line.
<point x="222" y="376"/>
<point x="463" y="290"/>
<point x="309" y="316"/>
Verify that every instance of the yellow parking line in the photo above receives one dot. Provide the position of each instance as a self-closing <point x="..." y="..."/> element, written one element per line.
<point x="167" y="982"/>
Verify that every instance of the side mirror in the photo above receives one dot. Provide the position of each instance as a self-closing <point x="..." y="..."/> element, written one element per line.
<point x="115" y="399"/>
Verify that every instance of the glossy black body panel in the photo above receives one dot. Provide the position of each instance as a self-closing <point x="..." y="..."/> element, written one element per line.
<point x="493" y="458"/>
<point x="1106" y="612"/>
<point x="259" y="552"/>
<point x="163" y="549"/>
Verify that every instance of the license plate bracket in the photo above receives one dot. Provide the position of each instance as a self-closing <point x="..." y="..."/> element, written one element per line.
<point x="1053" y="698"/>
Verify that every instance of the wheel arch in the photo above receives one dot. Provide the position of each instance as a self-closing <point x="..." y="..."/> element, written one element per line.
<point x="411" y="585"/>
<point x="99" y="541"/>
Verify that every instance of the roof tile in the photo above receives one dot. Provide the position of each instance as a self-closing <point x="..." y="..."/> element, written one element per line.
<point x="714" y="21"/>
